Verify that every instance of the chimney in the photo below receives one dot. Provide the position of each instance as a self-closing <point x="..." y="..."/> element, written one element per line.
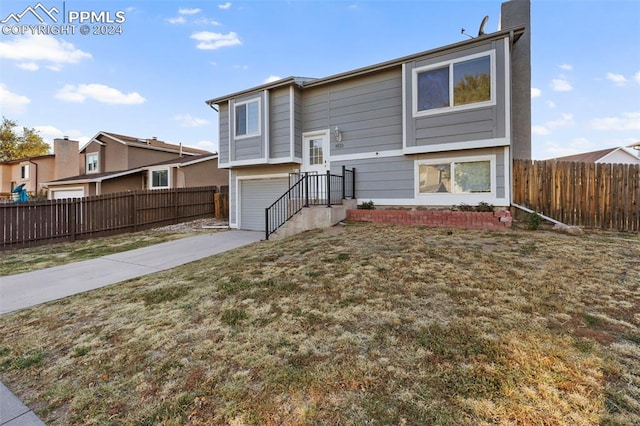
<point x="515" y="13"/>
<point x="66" y="158"/>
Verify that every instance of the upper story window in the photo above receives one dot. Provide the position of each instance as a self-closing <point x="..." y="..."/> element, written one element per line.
<point x="159" y="178"/>
<point x="92" y="162"/>
<point x="24" y="171"/>
<point x="464" y="83"/>
<point x="247" y="118"/>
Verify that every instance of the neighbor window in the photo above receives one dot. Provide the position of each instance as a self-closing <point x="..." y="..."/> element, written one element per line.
<point x="159" y="178"/>
<point x="464" y="177"/>
<point x="92" y="163"/>
<point x="248" y="118"/>
<point x="454" y="84"/>
<point x="24" y="171"/>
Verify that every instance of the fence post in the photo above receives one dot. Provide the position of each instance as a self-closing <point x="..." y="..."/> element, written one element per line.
<point x="328" y="188"/>
<point x="134" y="211"/>
<point x="353" y="183"/>
<point x="266" y="223"/>
<point x="306" y="190"/>
<point x="344" y="181"/>
<point x="72" y="219"/>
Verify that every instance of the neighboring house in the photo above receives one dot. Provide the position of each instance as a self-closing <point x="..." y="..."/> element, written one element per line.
<point x="115" y="163"/>
<point x="33" y="172"/>
<point x="609" y="155"/>
<point x="437" y="128"/>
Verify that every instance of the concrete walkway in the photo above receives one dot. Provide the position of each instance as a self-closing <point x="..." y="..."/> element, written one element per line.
<point x="33" y="288"/>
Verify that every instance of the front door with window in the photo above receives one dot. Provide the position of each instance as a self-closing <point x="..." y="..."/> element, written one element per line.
<point x="315" y="161"/>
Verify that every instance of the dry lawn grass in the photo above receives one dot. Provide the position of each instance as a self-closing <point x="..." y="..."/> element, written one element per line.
<point x="359" y="324"/>
<point x="47" y="256"/>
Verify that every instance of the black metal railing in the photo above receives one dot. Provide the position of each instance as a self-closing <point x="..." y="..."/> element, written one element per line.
<point x="309" y="189"/>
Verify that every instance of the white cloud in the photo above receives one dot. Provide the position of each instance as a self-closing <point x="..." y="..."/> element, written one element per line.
<point x="206" y="145"/>
<point x="539" y="130"/>
<point x="271" y="79"/>
<point x="618" y="79"/>
<point x="637" y="77"/>
<point x="225" y="6"/>
<point x="184" y="11"/>
<point x="576" y="146"/>
<point x="241" y="67"/>
<point x="627" y="121"/>
<point x="186" y="120"/>
<point x="49" y="133"/>
<point x="535" y="92"/>
<point x="213" y="41"/>
<point x="566" y="67"/>
<point x="565" y="120"/>
<point x="12" y="103"/>
<point x="551" y="104"/>
<point x="42" y="48"/>
<point x="177" y="20"/>
<point x="29" y="66"/>
<point x="561" y="85"/>
<point x="207" y="21"/>
<point x="98" y="92"/>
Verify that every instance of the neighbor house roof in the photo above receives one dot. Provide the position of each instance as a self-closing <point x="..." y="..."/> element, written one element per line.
<point x="151" y="143"/>
<point x="593" y="156"/>
<point x="20" y="160"/>
<point x="305" y="82"/>
<point x="99" y="177"/>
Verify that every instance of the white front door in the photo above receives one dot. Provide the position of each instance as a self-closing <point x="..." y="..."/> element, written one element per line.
<point x="315" y="153"/>
<point x="315" y="161"/>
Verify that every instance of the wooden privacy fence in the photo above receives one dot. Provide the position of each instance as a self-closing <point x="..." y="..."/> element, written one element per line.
<point x="591" y="195"/>
<point x="42" y="222"/>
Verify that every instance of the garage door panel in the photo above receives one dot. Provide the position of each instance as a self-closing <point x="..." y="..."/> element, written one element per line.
<point x="62" y="194"/>
<point x="255" y="196"/>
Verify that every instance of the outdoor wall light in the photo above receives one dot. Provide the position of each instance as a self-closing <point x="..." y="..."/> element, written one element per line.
<point x="337" y="134"/>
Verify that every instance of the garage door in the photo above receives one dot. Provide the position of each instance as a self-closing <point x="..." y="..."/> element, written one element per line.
<point x="61" y="194"/>
<point x="255" y="196"/>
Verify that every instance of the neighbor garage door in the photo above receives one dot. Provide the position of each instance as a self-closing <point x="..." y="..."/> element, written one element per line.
<point x="255" y="196"/>
<point x="61" y="194"/>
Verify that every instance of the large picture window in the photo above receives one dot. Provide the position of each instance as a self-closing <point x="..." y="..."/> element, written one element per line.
<point x="456" y="84"/>
<point x="248" y="118"/>
<point x="455" y="177"/>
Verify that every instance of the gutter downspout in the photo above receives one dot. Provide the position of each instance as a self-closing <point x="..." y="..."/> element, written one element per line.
<point x="36" y="175"/>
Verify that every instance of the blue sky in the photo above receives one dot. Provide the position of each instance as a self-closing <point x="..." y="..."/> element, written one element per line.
<point x="171" y="56"/>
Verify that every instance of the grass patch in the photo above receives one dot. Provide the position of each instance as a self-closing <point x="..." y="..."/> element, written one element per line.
<point x="359" y="324"/>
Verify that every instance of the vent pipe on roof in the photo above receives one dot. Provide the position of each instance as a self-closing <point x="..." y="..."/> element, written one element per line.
<point x="180" y="149"/>
<point x="153" y="138"/>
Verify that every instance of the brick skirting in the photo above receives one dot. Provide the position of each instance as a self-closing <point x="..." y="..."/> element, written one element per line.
<point x="435" y="218"/>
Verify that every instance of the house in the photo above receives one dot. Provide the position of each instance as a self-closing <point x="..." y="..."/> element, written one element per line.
<point x="609" y="155"/>
<point x="114" y="163"/>
<point x="436" y="128"/>
<point x="33" y="172"/>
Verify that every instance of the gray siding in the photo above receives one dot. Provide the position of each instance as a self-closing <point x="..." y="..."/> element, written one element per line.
<point x="280" y="123"/>
<point x="394" y="177"/>
<point x="367" y="110"/>
<point x="232" y="196"/>
<point x="381" y="177"/>
<point x="250" y="148"/>
<point x="223" y="116"/>
<point x="458" y="126"/>
<point x="298" y="114"/>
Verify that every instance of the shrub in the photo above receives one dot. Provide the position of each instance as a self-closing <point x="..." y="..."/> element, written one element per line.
<point x="367" y="205"/>
<point x="481" y="207"/>
<point x="533" y="221"/>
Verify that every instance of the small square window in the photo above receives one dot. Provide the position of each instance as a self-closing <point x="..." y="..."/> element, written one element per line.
<point x="248" y="118"/>
<point x="159" y="179"/>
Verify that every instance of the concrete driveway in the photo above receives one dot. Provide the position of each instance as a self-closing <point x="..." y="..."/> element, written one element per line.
<point x="21" y="291"/>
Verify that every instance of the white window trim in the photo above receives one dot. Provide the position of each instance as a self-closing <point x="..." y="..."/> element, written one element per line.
<point x="414" y="80"/>
<point x="159" y="169"/>
<point x="89" y="155"/>
<point x="443" y="199"/>
<point x="24" y="172"/>
<point x="235" y="118"/>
